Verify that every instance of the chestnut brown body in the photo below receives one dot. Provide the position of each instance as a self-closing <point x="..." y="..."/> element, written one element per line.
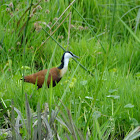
<point x="39" y="77"/>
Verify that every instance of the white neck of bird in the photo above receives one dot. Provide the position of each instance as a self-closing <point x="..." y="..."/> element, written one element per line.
<point x="66" y="62"/>
<point x="65" y="67"/>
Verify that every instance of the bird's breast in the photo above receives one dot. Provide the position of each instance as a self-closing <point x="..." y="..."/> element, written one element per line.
<point x="63" y="71"/>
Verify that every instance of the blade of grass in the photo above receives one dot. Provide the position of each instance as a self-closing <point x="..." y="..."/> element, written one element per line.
<point x="69" y="31"/>
<point x="24" y="46"/>
<point x="129" y="29"/>
<point x="72" y="125"/>
<point x="13" y="120"/>
<point x="98" y="128"/>
<point x="18" y="125"/>
<point x="28" y="115"/>
<point x="130" y="10"/>
<point x="62" y="123"/>
<point x="68" y="126"/>
<point x="52" y="118"/>
<point x="35" y="133"/>
<point x="46" y="77"/>
<point x="49" y="131"/>
<point x="67" y="136"/>
<point x="137" y="20"/>
<point x="79" y="133"/>
<point x="39" y="121"/>
<point x="112" y="25"/>
<point x="133" y="134"/>
<point x="106" y="129"/>
<point x="3" y="109"/>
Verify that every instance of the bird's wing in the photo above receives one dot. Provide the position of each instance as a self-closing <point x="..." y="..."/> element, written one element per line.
<point x="38" y="77"/>
<point x="54" y="74"/>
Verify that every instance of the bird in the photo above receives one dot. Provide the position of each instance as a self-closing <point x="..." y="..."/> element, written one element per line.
<point x="55" y="73"/>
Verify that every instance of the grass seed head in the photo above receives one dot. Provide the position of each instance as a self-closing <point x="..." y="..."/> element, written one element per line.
<point x="11" y="5"/>
<point x="47" y="11"/>
<point x="8" y="9"/>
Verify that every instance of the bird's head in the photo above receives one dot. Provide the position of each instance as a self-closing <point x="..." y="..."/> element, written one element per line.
<point x="68" y="55"/>
<point x="65" y="59"/>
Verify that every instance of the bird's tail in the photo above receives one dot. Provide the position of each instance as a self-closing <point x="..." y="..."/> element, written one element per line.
<point x="29" y="79"/>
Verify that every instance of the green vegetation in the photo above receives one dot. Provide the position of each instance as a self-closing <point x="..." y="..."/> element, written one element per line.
<point x="106" y="37"/>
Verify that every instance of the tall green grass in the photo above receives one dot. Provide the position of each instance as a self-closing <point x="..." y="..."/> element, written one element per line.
<point x="105" y="35"/>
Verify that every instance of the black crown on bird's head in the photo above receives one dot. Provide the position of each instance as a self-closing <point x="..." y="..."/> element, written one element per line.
<point x="66" y="55"/>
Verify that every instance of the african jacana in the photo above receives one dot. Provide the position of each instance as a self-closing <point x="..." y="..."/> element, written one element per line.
<point x="55" y="74"/>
